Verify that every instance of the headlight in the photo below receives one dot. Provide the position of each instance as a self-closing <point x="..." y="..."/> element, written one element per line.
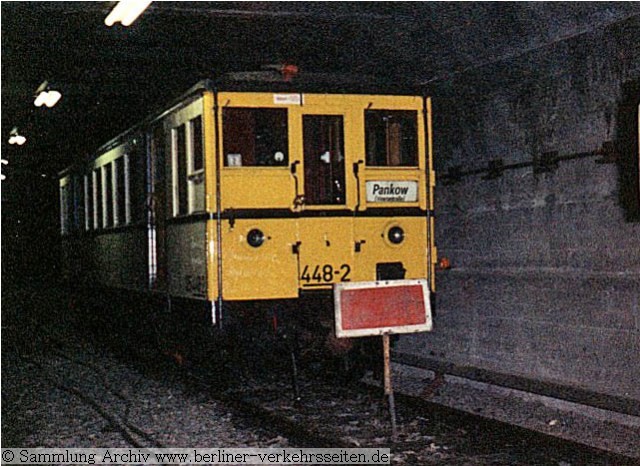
<point x="395" y="235"/>
<point x="255" y="238"/>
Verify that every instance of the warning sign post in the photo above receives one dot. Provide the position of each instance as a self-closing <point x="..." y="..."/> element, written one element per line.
<point x="383" y="308"/>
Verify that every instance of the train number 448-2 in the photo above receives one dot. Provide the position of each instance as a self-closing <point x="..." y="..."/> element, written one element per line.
<point x="326" y="273"/>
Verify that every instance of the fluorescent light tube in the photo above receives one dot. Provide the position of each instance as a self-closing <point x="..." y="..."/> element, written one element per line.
<point x="126" y="12"/>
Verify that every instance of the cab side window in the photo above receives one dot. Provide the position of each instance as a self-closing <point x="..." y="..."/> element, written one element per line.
<point x="391" y="138"/>
<point x="179" y="161"/>
<point x="195" y="166"/>
<point x="255" y="137"/>
<point x="188" y="167"/>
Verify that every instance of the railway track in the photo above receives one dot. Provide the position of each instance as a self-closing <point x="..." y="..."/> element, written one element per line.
<point x="88" y="376"/>
<point x="355" y="415"/>
<point x="262" y="415"/>
<point x="117" y="421"/>
<point x="128" y="387"/>
<point x="62" y="362"/>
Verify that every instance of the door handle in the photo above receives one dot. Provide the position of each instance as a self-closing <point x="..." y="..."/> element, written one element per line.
<point x="298" y="200"/>
<point x="294" y="167"/>
<point x="356" y="174"/>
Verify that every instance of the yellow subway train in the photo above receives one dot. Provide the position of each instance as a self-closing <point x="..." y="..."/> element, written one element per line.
<point x="257" y="187"/>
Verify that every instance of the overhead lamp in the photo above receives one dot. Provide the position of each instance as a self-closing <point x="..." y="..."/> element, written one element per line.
<point x="46" y="96"/>
<point x="16" y="138"/>
<point x="126" y="12"/>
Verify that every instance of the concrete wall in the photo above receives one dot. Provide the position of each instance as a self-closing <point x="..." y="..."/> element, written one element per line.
<point x="545" y="281"/>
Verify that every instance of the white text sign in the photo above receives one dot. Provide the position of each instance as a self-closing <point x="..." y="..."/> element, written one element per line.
<point x="392" y="191"/>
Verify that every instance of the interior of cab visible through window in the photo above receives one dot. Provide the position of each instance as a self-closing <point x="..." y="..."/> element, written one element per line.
<point x="391" y="138"/>
<point x="255" y="137"/>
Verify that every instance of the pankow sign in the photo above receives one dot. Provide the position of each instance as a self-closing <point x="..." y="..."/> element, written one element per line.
<point x="392" y="191"/>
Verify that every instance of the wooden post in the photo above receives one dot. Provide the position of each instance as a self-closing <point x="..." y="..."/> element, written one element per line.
<point x="388" y="388"/>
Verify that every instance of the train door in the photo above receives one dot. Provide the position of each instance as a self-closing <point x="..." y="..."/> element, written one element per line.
<point x="156" y="209"/>
<point x="325" y="227"/>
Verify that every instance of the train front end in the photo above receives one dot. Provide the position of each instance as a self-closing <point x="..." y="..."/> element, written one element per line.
<point x="317" y="189"/>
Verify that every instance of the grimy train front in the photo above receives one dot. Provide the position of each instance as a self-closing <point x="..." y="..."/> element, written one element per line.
<point x="252" y="195"/>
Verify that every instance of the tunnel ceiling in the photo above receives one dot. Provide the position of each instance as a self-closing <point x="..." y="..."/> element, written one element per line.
<point x="112" y="77"/>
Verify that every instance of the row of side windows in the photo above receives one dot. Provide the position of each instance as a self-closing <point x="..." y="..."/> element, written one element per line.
<point x="114" y="194"/>
<point x="101" y="198"/>
<point x="107" y="198"/>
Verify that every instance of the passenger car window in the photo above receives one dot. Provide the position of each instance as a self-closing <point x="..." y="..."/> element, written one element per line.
<point x="88" y="202"/>
<point x="78" y="203"/>
<point x="107" y="193"/>
<point x="121" y="201"/>
<point x="65" y="214"/>
<point x="391" y="138"/>
<point x="97" y="198"/>
<point x="255" y="137"/>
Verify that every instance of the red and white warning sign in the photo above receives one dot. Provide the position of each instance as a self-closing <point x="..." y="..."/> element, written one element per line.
<point x="375" y="308"/>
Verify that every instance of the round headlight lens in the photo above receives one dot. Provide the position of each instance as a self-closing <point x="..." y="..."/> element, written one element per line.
<point x="395" y="235"/>
<point x="255" y="238"/>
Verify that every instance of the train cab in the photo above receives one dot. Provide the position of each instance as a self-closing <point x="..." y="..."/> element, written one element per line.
<point x="321" y="188"/>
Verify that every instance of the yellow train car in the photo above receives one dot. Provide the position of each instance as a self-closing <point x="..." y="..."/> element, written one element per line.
<point x="258" y="187"/>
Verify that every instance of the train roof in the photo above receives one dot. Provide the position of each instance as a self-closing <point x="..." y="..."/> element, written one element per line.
<point x="277" y="79"/>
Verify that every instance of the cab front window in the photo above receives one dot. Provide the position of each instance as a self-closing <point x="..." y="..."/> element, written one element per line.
<point x="391" y="138"/>
<point x="255" y="137"/>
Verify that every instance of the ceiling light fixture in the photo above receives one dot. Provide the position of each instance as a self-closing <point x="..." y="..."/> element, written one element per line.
<point x="126" y="12"/>
<point x="46" y="96"/>
<point x="16" y="138"/>
<point x="19" y="139"/>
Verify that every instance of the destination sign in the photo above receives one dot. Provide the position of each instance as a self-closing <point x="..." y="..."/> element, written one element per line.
<point x="392" y="191"/>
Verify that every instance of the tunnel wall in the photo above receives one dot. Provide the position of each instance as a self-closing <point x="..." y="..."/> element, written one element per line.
<point x="545" y="277"/>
